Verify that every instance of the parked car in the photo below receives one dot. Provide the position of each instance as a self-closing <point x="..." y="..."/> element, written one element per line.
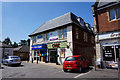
<point x="76" y="62"/>
<point x="113" y="65"/>
<point x="12" y="60"/>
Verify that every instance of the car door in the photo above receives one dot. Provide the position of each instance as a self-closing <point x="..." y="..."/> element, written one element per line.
<point x="80" y="61"/>
<point x="5" y="60"/>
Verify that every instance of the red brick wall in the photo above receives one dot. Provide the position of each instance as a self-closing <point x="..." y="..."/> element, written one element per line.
<point x="104" y="23"/>
<point x="81" y="47"/>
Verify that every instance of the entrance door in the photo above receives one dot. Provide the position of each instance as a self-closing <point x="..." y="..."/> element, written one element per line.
<point x="52" y="56"/>
<point x="117" y="47"/>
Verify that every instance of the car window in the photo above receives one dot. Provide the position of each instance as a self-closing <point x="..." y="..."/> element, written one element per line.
<point x="70" y="59"/>
<point x="6" y="57"/>
<point x="14" y="57"/>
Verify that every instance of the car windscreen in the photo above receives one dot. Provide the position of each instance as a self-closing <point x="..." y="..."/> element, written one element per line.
<point x="70" y="59"/>
<point x="15" y="57"/>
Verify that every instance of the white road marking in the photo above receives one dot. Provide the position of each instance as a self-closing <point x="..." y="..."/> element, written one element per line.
<point x="81" y="74"/>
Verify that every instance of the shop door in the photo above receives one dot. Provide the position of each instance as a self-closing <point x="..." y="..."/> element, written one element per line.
<point x="52" y="57"/>
<point x="117" y="51"/>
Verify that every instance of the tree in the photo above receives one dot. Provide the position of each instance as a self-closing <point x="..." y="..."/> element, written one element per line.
<point x="7" y="41"/>
<point x="28" y="41"/>
<point x="15" y="45"/>
<point x="23" y="42"/>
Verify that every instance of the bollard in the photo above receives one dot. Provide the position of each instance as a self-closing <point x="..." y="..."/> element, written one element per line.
<point x="95" y="63"/>
<point x="32" y="60"/>
<point x="118" y="65"/>
<point x="37" y="60"/>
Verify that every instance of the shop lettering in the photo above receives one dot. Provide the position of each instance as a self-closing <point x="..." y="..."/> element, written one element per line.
<point x="115" y="35"/>
<point x="55" y="45"/>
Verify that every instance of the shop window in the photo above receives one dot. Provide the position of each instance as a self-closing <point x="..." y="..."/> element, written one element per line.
<point x="60" y="33"/>
<point x="47" y="36"/>
<point x="65" y="33"/>
<point x="114" y="14"/>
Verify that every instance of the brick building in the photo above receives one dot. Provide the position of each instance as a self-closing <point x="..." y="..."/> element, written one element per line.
<point x="63" y="36"/>
<point x="107" y="29"/>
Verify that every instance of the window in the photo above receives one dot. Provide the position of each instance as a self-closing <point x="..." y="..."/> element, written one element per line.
<point x="44" y="37"/>
<point x="85" y="37"/>
<point x="70" y="59"/>
<point x="118" y="12"/>
<point x="34" y="39"/>
<point x="92" y="39"/>
<point x="65" y="33"/>
<point x="77" y="36"/>
<point x="114" y="14"/>
<point x="47" y="36"/>
<point x="60" y="33"/>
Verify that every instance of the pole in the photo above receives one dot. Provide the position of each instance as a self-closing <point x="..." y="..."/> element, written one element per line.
<point x="94" y="63"/>
<point x="37" y="60"/>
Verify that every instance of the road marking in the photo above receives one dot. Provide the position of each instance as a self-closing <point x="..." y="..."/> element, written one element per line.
<point x="81" y="74"/>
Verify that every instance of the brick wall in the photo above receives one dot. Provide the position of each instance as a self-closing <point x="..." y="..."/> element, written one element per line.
<point x="80" y="47"/>
<point x="104" y="23"/>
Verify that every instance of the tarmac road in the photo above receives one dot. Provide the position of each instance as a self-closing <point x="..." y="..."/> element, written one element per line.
<point x="47" y="70"/>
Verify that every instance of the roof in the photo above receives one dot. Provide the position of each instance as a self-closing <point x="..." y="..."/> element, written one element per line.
<point x="105" y="3"/>
<point x="58" y="22"/>
<point x="4" y="45"/>
<point x="22" y="49"/>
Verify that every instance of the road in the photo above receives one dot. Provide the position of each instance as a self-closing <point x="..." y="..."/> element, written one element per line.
<point x="32" y="70"/>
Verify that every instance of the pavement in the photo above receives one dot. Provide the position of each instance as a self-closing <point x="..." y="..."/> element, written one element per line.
<point x="51" y="70"/>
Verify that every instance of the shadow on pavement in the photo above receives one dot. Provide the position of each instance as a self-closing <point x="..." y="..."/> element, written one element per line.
<point x="84" y="70"/>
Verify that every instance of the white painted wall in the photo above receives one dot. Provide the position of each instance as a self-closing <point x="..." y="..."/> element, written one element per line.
<point x="1" y="54"/>
<point x="68" y="51"/>
<point x="8" y="51"/>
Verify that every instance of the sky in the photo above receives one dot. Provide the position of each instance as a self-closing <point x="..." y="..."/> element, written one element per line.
<point x="20" y="19"/>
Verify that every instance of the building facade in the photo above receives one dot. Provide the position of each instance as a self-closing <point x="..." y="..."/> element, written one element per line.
<point x="107" y="29"/>
<point x="5" y="50"/>
<point x="22" y="52"/>
<point x="63" y="36"/>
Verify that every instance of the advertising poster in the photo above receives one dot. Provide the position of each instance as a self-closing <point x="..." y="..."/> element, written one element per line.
<point x="62" y="53"/>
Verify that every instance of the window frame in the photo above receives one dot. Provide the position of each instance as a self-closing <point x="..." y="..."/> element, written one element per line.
<point x="115" y="9"/>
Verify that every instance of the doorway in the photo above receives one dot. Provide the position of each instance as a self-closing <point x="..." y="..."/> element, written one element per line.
<point x="52" y="55"/>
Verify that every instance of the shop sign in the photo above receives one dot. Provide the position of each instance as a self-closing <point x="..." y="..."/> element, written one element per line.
<point x="40" y="46"/>
<point x="57" y="45"/>
<point x="108" y="54"/>
<point x="109" y="35"/>
<point x="53" y="35"/>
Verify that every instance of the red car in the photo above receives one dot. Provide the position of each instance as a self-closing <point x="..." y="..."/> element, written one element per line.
<point x="76" y="62"/>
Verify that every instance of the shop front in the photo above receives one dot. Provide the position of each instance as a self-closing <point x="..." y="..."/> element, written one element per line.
<point x="110" y="46"/>
<point x="56" y="52"/>
<point x="39" y="52"/>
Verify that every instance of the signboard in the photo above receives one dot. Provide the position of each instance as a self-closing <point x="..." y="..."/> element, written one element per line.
<point x="53" y="35"/>
<point x="57" y="45"/>
<point x="109" y="35"/>
<point x="40" y="46"/>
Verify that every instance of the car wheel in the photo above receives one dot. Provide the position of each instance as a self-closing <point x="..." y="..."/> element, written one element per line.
<point x="7" y="64"/>
<point x="80" y="69"/>
<point x="65" y="70"/>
